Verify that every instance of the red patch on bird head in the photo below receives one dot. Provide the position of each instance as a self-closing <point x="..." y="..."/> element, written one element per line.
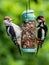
<point x="43" y="19"/>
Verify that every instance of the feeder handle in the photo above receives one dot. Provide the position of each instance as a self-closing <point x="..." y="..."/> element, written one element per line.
<point x="27" y="4"/>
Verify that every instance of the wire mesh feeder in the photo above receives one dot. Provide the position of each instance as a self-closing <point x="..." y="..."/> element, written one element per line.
<point x="29" y="37"/>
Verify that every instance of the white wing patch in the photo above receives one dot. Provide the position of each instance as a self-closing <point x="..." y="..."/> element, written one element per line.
<point x="8" y="31"/>
<point x="43" y="35"/>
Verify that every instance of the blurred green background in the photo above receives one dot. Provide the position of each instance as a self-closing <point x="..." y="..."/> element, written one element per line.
<point x="9" y="54"/>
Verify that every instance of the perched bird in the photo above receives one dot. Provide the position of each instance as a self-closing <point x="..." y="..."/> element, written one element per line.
<point x="14" y="31"/>
<point x="41" y="31"/>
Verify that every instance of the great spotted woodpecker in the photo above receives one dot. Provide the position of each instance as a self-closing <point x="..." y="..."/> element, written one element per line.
<point x="14" y="31"/>
<point x="41" y="31"/>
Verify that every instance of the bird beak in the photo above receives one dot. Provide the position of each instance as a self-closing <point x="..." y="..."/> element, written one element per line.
<point x="12" y="19"/>
<point x="36" y="19"/>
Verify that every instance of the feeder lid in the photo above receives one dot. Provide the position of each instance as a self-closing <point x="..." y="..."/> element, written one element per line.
<point x="28" y="16"/>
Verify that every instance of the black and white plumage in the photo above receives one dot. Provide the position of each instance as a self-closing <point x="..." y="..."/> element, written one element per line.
<point x="14" y="31"/>
<point x="42" y="31"/>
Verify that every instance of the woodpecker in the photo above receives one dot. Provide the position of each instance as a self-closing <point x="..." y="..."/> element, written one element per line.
<point x="14" y="31"/>
<point x="41" y="31"/>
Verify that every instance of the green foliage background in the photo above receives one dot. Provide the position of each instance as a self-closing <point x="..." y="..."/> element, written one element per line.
<point x="9" y="54"/>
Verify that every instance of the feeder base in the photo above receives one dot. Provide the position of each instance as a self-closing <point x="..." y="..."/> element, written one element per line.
<point x="29" y="50"/>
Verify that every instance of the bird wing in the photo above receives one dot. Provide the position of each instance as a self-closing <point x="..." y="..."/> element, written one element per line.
<point x="17" y="30"/>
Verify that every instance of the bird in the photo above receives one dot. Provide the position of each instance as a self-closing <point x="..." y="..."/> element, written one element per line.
<point x="41" y="31"/>
<point x="14" y="31"/>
